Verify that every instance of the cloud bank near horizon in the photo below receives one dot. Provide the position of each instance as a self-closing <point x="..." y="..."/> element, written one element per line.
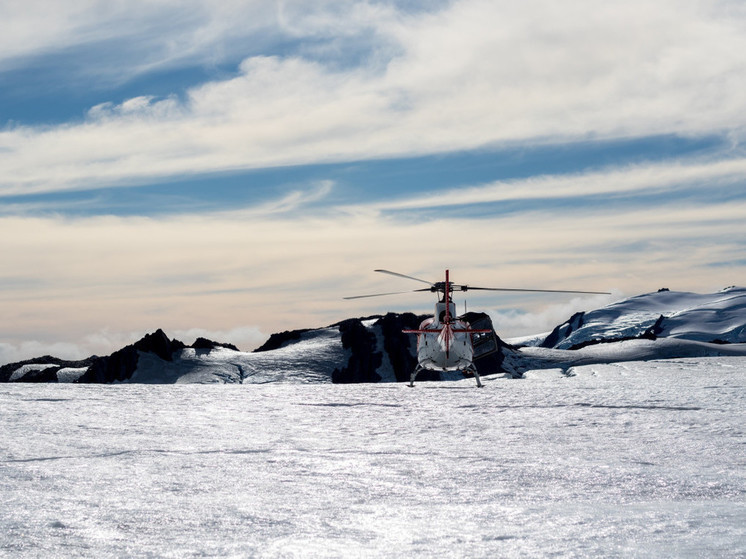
<point x="274" y="270"/>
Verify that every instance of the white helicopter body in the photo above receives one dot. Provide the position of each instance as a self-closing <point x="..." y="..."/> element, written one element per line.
<point x="431" y="353"/>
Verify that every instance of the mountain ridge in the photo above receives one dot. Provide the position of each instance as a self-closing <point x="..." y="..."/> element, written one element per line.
<point x="658" y="325"/>
<point x="368" y="349"/>
<point x="714" y="318"/>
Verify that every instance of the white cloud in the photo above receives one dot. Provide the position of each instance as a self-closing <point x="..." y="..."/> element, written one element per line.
<point x="509" y="323"/>
<point x="120" y="40"/>
<point x="474" y="74"/>
<point x="243" y="337"/>
<point x="292" y="202"/>
<point x="650" y="177"/>
<point x="107" y="340"/>
<point x="13" y="352"/>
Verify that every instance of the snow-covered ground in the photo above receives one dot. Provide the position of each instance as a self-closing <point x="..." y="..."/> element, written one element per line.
<point x="692" y="316"/>
<point x="607" y="460"/>
<point x="308" y="360"/>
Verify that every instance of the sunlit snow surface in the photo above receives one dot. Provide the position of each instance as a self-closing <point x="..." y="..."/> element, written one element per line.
<point x="312" y="359"/>
<point x="692" y="316"/>
<point x="631" y="459"/>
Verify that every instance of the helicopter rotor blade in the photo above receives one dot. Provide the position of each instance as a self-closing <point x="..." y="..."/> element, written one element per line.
<point x="384" y="294"/>
<point x="468" y="287"/>
<point x="404" y="276"/>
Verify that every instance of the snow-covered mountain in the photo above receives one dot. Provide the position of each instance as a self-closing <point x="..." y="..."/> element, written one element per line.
<point x="371" y="349"/>
<point x="716" y="318"/>
<point x="661" y="325"/>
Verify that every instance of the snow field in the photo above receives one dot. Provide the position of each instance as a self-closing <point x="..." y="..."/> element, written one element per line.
<point x="628" y="459"/>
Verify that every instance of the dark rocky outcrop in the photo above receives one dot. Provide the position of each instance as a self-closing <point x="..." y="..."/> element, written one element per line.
<point x="204" y="343"/>
<point x="564" y="330"/>
<point x="401" y="348"/>
<point x="280" y="339"/>
<point x="48" y="374"/>
<point x="657" y="328"/>
<point x="364" y="360"/>
<point x="121" y="365"/>
<point x="366" y="346"/>
<point x="159" y="343"/>
<point x="118" y="366"/>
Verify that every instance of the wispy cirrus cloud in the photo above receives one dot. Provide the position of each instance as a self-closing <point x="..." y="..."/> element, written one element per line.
<point x="471" y="74"/>
<point x="668" y="176"/>
<point x="130" y="38"/>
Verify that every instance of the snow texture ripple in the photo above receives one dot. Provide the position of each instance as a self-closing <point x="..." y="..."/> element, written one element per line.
<point x="614" y="460"/>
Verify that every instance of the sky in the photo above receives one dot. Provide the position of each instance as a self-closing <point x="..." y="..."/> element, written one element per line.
<point x="235" y="168"/>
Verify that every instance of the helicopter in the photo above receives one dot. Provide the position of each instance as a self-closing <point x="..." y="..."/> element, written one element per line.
<point x="444" y="341"/>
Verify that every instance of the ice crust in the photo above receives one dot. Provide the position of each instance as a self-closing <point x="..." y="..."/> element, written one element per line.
<point x="693" y="316"/>
<point x="606" y="460"/>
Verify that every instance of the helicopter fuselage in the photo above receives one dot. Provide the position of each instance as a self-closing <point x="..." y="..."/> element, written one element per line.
<point x="432" y="350"/>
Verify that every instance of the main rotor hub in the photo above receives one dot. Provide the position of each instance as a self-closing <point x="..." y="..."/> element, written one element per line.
<point x="440" y="286"/>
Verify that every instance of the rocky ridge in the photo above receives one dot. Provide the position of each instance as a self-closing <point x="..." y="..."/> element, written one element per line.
<point x="369" y="349"/>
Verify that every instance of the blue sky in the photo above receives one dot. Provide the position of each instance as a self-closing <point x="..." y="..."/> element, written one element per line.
<point x="234" y="168"/>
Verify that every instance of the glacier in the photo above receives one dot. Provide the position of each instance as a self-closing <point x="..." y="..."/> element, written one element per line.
<point x="706" y="317"/>
<point x="617" y="459"/>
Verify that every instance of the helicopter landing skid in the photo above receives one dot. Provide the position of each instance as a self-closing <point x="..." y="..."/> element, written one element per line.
<point x="473" y="370"/>
<point x="418" y="368"/>
<point x="414" y="374"/>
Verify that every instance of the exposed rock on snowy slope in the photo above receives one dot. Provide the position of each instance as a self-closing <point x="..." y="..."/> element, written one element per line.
<point x="660" y="325"/>
<point x="119" y="366"/>
<point x="380" y="351"/>
<point x="372" y="349"/>
<point x="715" y="318"/>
